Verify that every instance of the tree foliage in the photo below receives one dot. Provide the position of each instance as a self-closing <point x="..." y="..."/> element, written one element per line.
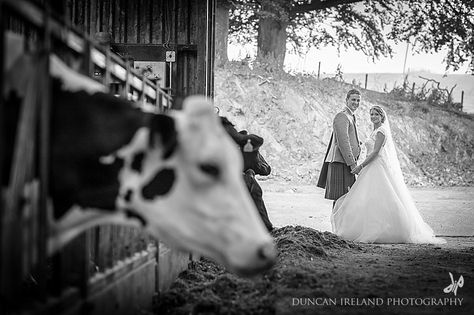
<point x="367" y="26"/>
<point x="444" y="25"/>
<point x="346" y="25"/>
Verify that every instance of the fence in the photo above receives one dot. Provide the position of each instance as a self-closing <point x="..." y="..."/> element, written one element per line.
<point x="108" y="263"/>
<point x="386" y="82"/>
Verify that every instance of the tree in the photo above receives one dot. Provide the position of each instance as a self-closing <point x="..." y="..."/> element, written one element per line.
<point x="303" y="24"/>
<point x="439" y="25"/>
<point x="364" y="25"/>
<point x="222" y="31"/>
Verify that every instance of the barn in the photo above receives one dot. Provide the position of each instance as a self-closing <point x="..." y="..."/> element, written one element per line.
<point x="154" y="53"/>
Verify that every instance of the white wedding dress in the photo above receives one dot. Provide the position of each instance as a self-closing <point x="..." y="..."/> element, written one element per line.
<point x="378" y="208"/>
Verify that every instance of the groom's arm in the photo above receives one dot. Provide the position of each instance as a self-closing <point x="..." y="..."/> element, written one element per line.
<point x="341" y="132"/>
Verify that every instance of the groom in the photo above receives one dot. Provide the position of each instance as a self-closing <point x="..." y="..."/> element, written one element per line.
<point x="343" y="150"/>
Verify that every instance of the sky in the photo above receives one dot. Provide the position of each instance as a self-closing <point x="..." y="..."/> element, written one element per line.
<point x="353" y="61"/>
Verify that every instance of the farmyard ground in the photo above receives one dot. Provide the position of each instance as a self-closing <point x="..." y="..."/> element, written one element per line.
<point x="316" y="267"/>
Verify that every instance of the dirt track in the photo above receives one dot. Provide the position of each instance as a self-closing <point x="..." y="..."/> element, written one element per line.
<point x="318" y="273"/>
<point x="449" y="211"/>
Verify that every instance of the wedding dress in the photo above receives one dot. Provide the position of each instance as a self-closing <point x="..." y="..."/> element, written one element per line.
<point x="378" y="208"/>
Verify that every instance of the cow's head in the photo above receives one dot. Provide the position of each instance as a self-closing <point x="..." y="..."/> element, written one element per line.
<point x="177" y="176"/>
<point x="182" y="177"/>
<point x="253" y="160"/>
<point x="249" y="145"/>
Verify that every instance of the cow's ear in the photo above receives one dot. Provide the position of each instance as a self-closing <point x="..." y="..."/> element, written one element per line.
<point x="163" y="129"/>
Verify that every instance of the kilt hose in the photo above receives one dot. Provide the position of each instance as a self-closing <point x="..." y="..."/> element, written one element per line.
<point x="338" y="180"/>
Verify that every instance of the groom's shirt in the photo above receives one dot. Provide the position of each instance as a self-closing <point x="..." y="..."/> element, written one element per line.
<point x="345" y="147"/>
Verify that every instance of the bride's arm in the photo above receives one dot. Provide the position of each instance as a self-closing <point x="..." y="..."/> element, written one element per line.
<point x="379" y="141"/>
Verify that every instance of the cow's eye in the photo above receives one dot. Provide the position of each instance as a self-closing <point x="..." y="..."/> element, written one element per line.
<point x="210" y="169"/>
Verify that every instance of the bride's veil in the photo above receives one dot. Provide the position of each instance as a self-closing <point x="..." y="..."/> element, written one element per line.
<point x="389" y="152"/>
<point x="420" y="231"/>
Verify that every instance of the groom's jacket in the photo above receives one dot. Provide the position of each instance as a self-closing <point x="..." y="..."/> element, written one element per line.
<point x="345" y="146"/>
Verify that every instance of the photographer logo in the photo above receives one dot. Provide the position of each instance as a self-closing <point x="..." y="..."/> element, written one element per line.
<point x="453" y="287"/>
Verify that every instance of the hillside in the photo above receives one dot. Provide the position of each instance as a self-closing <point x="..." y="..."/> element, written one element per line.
<point x="293" y="113"/>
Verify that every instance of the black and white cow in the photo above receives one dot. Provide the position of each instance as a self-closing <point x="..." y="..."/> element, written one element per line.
<point x="254" y="163"/>
<point x="177" y="176"/>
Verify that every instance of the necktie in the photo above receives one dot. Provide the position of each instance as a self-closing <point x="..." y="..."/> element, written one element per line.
<point x="355" y="128"/>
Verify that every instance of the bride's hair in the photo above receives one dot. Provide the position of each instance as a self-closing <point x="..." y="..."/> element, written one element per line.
<point x="379" y="110"/>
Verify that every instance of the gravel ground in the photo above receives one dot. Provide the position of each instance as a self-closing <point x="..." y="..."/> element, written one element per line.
<point x="317" y="272"/>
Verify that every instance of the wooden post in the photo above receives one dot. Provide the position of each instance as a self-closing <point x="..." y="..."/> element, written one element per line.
<point x="413" y="90"/>
<point x="366" y="78"/>
<point x="126" y="87"/>
<point x="319" y="68"/>
<point x="462" y="99"/>
<point x="105" y="39"/>
<point x="142" y="98"/>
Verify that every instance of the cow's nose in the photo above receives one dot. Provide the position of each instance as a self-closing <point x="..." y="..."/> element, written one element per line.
<point x="264" y="259"/>
<point x="267" y="253"/>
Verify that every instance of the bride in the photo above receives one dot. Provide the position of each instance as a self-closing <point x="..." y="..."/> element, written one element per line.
<point x="378" y="208"/>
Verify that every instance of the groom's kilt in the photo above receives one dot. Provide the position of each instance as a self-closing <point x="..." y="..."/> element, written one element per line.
<point x="338" y="180"/>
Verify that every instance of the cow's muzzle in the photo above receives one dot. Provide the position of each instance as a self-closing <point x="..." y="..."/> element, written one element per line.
<point x="264" y="259"/>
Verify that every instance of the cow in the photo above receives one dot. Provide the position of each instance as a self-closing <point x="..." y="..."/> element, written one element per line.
<point x="175" y="175"/>
<point x="254" y="163"/>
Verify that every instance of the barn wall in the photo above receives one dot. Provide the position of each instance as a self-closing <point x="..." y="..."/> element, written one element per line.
<point x="147" y="27"/>
<point x="183" y="26"/>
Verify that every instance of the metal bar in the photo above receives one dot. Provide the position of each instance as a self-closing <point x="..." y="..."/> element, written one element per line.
<point x="87" y="59"/>
<point x="171" y="78"/>
<point x="158" y="101"/>
<point x="2" y="142"/>
<point x="213" y="49"/>
<point x="4" y="274"/>
<point x="157" y="266"/>
<point x="209" y="55"/>
<point x="206" y="62"/>
<point x="45" y="111"/>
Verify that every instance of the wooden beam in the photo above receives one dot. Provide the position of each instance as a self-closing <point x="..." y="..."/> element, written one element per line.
<point x="318" y="5"/>
<point x="150" y="52"/>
